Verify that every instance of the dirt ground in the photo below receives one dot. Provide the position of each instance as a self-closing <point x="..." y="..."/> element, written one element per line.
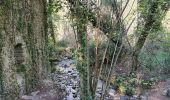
<point x="157" y="92"/>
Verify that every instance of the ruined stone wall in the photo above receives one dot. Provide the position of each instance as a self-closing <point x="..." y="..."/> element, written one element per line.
<point x="22" y="45"/>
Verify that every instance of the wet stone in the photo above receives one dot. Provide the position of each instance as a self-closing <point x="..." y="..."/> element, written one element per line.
<point x="98" y="95"/>
<point x="142" y="98"/>
<point x="35" y="93"/>
<point x="69" y="71"/>
<point x="68" y="79"/>
<point x="124" y="98"/>
<point x="112" y="92"/>
<point x="74" y="95"/>
<point x="166" y="92"/>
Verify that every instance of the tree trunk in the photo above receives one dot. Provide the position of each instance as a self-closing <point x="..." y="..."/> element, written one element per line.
<point x="83" y="62"/>
<point x="153" y="17"/>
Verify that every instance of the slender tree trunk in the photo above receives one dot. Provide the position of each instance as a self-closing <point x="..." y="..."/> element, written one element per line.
<point x="82" y="62"/>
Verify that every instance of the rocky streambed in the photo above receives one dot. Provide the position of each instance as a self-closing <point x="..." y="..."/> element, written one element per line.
<point x="64" y="84"/>
<point x="67" y="79"/>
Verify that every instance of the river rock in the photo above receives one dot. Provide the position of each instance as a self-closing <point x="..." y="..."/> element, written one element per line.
<point x="98" y="95"/>
<point x="124" y="98"/>
<point x="166" y="92"/>
<point x="112" y="92"/>
<point x="143" y="97"/>
<point x="63" y="86"/>
<point x="67" y="79"/>
<point x="35" y="93"/>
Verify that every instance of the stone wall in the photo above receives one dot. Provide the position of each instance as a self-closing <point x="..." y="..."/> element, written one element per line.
<point x="22" y="43"/>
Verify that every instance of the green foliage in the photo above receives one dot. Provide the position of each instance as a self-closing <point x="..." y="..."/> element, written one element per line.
<point x="126" y="84"/>
<point x="106" y="2"/>
<point x="80" y="59"/>
<point x="56" y="49"/>
<point x="54" y="6"/>
<point x="166" y="68"/>
<point x="149" y="60"/>
<point x="91" y="53"/>
<point x="101" y="49"/>
<point x="1" y="40"/>
<point x="1" y="78"/>
<point x="4" y="5"/>
<point x="1" y="66"/>
<point x="81" y="13"/>
<point x="1" y="11"/>
<point x="21" y="68"/>
<point x="147" y="84"/>
<point x="21" y="24"/>
<point x="7" y="3"/>
<point x="146" y="9"/>
<point x="62" y="43"/>
<point x="155" y="53"/>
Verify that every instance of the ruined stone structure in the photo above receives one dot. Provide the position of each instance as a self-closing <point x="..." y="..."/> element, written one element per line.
<point x="22" y="47"/>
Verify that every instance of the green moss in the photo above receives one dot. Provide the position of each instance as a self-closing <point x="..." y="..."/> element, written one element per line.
<point x="21" y="24"/>
<point x="21" y="68"/>
<point x="1" y="79"/>
<point x="1" y="68"/>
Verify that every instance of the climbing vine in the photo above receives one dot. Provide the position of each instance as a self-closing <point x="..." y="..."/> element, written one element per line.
<point x="80" y="15"/>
